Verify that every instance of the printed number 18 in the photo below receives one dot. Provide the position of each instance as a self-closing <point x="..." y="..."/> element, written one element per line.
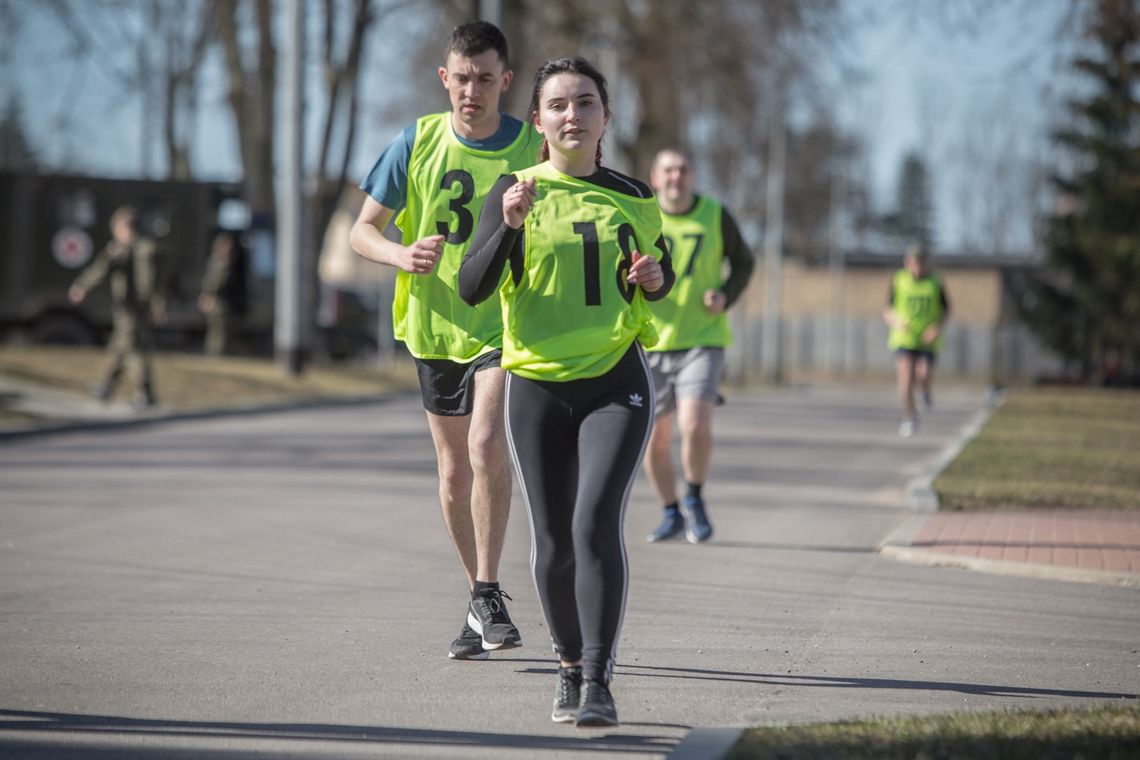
<point x="591" y="261"/>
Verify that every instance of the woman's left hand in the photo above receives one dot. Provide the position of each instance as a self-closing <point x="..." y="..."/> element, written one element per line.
<point x="646" y="272"/>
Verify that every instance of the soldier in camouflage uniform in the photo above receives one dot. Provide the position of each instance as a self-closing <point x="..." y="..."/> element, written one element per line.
<point x="213" y="300"/>
<point x="128" y="264"/>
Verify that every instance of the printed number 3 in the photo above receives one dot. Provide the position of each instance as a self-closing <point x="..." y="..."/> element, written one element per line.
<point x="465" y="222"/>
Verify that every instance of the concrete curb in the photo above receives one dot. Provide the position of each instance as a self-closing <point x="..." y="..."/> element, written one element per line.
<point x="903" y="536"/>
<point x="919" y="494"/>
<point x="706" y="744"/>
<point x="929" y="558"/>
<point x="158" y="416"/>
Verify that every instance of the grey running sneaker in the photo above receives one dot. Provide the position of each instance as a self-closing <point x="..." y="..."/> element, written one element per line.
<point x="697" y="525"/>
<point x="487" y="615"/>
<point x="468" y="645"/>
<point x="568" y="695"/>
<point x="908" y="427"/>
<point x="598" y="709"/>
<point x="672" y="524"/>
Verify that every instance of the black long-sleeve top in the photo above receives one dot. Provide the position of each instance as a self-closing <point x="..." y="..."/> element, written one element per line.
<point x="495" y="242"/>
<point x="739" y="257"/>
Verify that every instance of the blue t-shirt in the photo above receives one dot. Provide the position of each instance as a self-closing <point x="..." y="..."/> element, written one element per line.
<point x="387" y="183"/>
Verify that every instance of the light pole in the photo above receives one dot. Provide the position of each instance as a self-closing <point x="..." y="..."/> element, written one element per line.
<point x="288" y="312"/>
<point x="774" y="247"/>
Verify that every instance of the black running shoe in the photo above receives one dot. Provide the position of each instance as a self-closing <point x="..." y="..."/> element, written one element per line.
<point x="568" y="695"/>
<point x="672" y="524"/>
<point x="468" y="646"/>
<point x="487" y="615"/>
<point x="697" y="526"/>
<point x="598" y="709"/>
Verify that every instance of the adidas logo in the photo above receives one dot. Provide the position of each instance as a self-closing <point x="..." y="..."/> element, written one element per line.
<point x="635" y="399"/>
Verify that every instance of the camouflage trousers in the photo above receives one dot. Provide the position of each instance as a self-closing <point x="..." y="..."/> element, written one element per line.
<point x="127" y="353"/>
<point x="217" y="331"/>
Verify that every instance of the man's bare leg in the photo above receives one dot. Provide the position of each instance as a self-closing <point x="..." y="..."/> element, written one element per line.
<point x="694" y="418"/>
<point x="924" y="376"/>
<point x="658" y="460"/>
<point x="904" y="366"/>
<point x="449" y="434"/>
<point x="491" y="474"/>
<point x="658" y="463"/>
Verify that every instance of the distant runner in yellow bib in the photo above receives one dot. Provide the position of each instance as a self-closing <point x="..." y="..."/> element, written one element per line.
<point x="688" y="358"/>
<point x="916" y="312"/>
<point x="433" y="178"/>
<point x="583" y="254"/>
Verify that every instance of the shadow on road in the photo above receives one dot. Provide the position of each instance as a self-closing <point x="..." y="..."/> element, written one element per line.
<point x="110" y="728"/>
<point x="840" y="682"/>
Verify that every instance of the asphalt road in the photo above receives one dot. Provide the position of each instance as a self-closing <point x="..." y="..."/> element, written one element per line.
<point x="281" y="585"/>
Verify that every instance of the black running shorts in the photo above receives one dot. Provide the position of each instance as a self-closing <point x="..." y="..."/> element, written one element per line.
<point x="447" y="387"/>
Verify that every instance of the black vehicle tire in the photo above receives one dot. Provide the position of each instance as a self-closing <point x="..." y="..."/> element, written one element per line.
<point x="63" y="329"/>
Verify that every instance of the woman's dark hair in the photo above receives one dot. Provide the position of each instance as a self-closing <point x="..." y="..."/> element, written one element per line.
<point x="570" y="65"/>
<point x="477" y="37"/>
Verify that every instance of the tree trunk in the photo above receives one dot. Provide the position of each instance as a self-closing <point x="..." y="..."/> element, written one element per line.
<point x="251" y="99"/>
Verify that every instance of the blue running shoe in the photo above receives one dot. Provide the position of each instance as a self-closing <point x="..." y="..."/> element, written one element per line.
<point x="672" y="524"/>
<point x="697" y="526"/>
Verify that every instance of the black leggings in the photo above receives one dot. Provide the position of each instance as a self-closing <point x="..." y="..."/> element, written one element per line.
<point x="577" y="446"/>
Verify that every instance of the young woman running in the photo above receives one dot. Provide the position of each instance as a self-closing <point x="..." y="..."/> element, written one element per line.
<point x="584" y="249"/>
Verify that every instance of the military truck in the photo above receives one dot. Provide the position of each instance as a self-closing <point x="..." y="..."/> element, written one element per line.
<point x="55" y="224"/>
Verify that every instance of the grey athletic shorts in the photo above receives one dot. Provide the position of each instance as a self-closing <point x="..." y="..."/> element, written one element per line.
<point x="692" y="373"/>
<point x="447" y="387"/>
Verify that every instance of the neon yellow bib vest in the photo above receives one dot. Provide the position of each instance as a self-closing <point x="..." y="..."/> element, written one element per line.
<point x="573" y="315"/>
<point x="697" y="248"/>
<point x="920" y="304"/>
<point x="447" y="183"/>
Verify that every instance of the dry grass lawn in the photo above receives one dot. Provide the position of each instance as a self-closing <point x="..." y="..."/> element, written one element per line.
<point x="186" y="382"/>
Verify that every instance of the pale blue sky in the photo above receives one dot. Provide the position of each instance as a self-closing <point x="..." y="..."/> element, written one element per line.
<point x="930" y="74"/>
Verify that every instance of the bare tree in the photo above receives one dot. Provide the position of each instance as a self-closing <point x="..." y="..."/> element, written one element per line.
<point x="186" y="36"/>
<point x="344" y="33"/>
<point x="168" y="39"/>
<point x="700" y="75"/>
<point x="815" y="156"/>
<point x="246" y="36"/>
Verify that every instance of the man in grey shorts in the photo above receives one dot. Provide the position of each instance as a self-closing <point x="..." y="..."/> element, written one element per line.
<point x="688" y="358"/>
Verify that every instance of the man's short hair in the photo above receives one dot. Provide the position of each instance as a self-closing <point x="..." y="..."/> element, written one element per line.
<point x="916" y="251"/>
<point x="477" y="37"/>
<point x="672" y="149"/>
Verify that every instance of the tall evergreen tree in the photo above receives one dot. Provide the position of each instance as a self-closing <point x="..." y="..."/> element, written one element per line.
<point x="913" y="219"/>
<point x="16" y="151"/>
<point x="1086" y="306"/>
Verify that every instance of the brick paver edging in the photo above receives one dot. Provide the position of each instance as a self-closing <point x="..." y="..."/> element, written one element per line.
<point x="912" y="543"/>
